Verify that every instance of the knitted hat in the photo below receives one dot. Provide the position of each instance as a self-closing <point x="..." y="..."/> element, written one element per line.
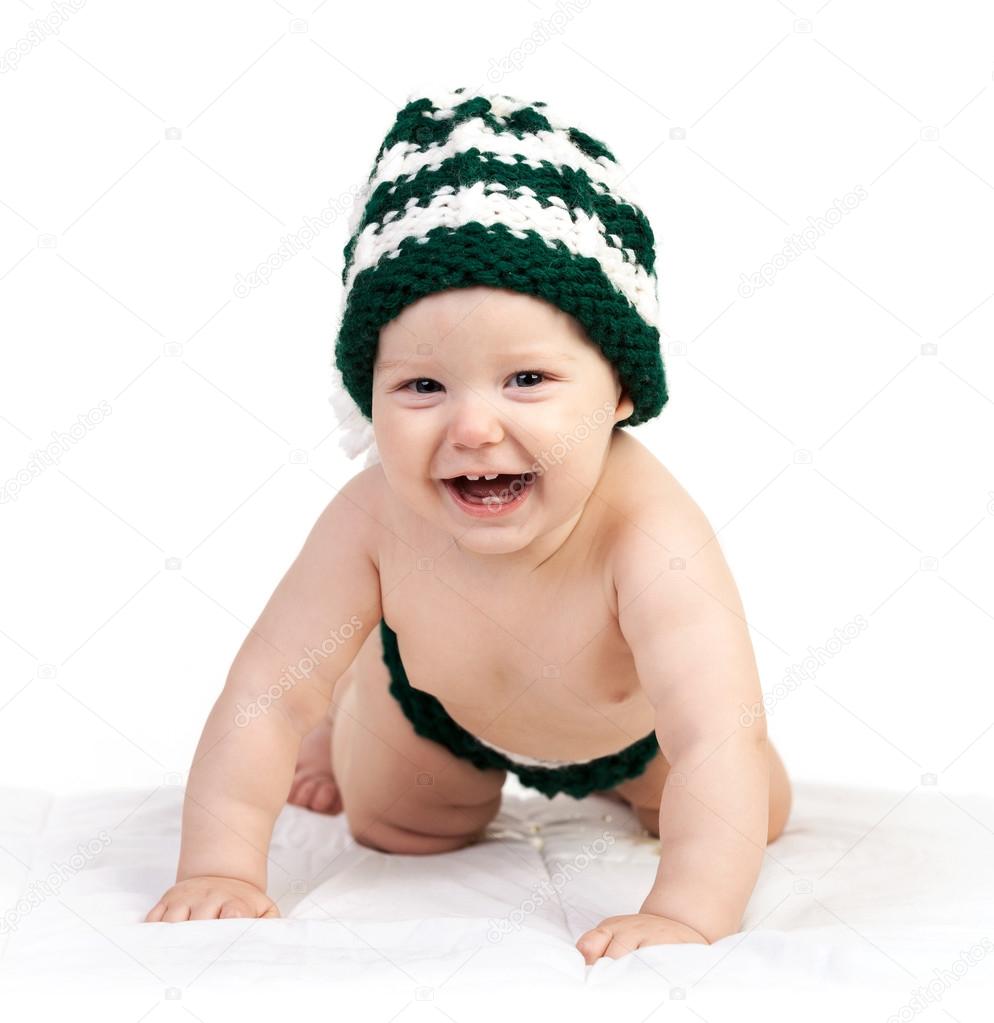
<point x="473" y="189"/>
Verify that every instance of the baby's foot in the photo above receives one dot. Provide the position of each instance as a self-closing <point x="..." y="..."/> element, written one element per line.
<point x="313" y="782"/>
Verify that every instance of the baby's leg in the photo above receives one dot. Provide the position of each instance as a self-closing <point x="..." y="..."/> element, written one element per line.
<point x="403" y="793"/>
<point x="314" y="785"/>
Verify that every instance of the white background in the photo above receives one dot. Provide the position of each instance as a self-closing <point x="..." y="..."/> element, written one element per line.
<point x="835" y="426"/>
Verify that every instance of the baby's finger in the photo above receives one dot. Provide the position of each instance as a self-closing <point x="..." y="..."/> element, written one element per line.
<point x="176" y="912"/>
<point x="618" y="948"/>
<point x="207" y="909"/>
<point x="593" y="943"/>
<point x="154" y="915"/>
<point x="235" y="908"/>
<point x="272" y="911"/>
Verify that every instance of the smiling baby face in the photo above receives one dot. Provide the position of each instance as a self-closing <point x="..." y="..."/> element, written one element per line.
<point x="481" y="381"/>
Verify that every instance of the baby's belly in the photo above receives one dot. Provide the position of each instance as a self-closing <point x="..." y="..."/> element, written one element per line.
<point x="554" y="719"/>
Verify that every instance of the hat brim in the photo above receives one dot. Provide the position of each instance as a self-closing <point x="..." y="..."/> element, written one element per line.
<point x="475" y="254"/>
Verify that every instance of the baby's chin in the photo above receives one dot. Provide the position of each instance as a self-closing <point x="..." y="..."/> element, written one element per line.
<point x="482" y="529"/>
<point x="490" y="541"/>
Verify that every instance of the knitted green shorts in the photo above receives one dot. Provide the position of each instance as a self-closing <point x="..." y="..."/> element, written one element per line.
<point x="431" y="721"/>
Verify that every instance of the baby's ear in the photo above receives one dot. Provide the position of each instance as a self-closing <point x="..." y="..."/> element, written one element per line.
<point x="625" y="405"/>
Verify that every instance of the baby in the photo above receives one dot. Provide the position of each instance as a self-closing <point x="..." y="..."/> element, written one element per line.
<point x="517" y="584"/>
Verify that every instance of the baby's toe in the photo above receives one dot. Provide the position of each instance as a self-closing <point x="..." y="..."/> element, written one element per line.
<point x="324" y="797"/>
<point x="302" y="791"/>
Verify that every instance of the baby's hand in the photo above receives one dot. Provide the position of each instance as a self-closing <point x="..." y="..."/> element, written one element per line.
<point x="618" y="935"/>
<point x="211" y="898"/>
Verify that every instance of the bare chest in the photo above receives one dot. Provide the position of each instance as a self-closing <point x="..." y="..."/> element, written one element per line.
<point x="538" y="668"/>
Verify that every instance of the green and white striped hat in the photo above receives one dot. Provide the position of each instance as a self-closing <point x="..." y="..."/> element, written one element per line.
<point x="471" y="189"/>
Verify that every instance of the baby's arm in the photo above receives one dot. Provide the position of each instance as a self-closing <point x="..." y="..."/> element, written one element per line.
<point x="321" y="613"/>
<point x="681" y="614"/>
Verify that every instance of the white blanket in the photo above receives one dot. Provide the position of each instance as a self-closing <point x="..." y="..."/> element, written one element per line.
<point x="876" y="904"/>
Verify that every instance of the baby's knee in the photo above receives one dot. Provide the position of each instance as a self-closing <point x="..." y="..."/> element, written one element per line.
<point x="781" y="799"/>
<point x="390" y="838"/>
<point x="780" y="803"/>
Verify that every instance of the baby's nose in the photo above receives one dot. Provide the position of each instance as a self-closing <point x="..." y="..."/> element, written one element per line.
<point x="474" y="421"/>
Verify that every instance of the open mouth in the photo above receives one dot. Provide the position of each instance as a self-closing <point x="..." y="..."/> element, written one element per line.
<point x="504" y="490"/>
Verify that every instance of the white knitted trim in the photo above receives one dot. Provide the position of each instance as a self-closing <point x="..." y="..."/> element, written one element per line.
<point x="445" y="99"/>
<point x="520" y="758"/>
<point x="500" y="106"/>
<point x="355" y="433"/>
<point x="407" y="158"/>
<point x="583" y="235"/>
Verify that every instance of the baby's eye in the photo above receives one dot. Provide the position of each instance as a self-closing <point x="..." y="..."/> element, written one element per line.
<point x="529" y="373"/>
<point x="428" y="380"/>
<point x="419" y="380"/>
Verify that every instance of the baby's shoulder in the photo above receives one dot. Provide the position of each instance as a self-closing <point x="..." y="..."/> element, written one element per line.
<point x="362" y="495"/>
<point x="654" y="518"/>
<point x="667" y="565"/>
<point x="369" y="483"/>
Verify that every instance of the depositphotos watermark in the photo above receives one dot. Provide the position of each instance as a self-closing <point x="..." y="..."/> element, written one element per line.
<point x="798" y="244"/>
<point x="797" y="674"/>
<point x="43" y="458"/>
<point x="40" y="30"/>
<point x="38" y="891"/>
<point x="555" y="456"/>
<point x="499" y="929"/>
<point x="291" y="244"/>
<point x="545" y="28"/>
<point x="301" y="670"/>
<point x="925" y="996"/>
